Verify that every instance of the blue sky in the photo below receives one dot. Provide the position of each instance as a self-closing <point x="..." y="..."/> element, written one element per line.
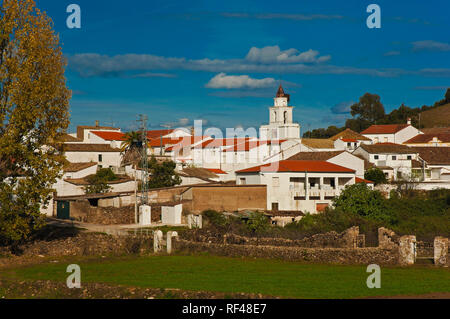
<point x="221" y="61"/>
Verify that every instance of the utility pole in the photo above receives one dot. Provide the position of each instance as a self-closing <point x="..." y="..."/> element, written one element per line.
<point x="144" y="189"/>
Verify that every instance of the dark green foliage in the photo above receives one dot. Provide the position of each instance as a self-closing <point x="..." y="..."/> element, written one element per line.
<point x="358" y="199"/>
<point x="163" y="174"/>
<point x="98" y="183"/>
<point x="424" y="214"/>
<point x="215" y="218"/>
<point x="375" y="175"/>
<point x="323" y="133"/>
<point x="257" y="223"/>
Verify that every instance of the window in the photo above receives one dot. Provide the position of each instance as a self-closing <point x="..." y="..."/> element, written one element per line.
<point x="332" y="183"/>
<point x="242" y="180"/>
<point x="275" y="206"/>
<point x="349" y="144"/>
<point x="100" y="157"/>
<point x="275" y="181"/>
<point x="394" y="158"/>
<point x="376" y="157"/>
<point x="409" y="157"/>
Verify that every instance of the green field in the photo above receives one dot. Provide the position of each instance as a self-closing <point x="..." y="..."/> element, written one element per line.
<point x="235" y="275"/>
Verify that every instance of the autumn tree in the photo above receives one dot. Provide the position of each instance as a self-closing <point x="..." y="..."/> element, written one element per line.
<point x="34" y="103"/>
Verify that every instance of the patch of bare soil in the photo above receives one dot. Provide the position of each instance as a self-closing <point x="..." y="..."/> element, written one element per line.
<point x="43" y="289"/>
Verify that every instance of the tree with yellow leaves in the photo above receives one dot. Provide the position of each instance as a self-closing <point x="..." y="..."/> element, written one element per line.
<point x="34" y="113"/>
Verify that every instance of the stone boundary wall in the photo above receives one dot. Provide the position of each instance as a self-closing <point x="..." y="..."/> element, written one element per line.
<point x="349" y="238"/>
<point x="85" y="244"/>
<point x="371" y="255"/>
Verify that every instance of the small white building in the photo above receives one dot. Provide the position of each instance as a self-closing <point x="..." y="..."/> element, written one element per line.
<point x="341" y="158"/>
<point x="293" y="185"/>
<point x="395" y="160"/>
<point x="391" y="133"/>
<point x="103" y="154"/>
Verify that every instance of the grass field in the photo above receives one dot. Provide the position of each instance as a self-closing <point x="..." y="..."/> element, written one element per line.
<point x="232" y="275"/>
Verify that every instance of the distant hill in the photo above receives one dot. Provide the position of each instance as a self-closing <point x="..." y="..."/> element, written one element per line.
<point x="436" y="117"/>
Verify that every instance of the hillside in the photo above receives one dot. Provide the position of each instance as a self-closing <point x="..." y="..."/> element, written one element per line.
<point x="437" y="117"/>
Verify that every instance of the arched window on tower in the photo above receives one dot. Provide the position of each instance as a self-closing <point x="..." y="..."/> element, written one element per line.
<point x="274" y="116"/>
<point x="285" y="117"/>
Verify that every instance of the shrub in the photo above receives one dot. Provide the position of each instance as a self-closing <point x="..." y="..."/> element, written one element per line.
<point x="375" y="175"/>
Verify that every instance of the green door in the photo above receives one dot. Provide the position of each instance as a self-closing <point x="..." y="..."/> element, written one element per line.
<point x="63" y="210"/>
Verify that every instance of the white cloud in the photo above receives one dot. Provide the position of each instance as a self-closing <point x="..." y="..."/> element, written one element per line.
<point x="273" y="54"/>
<point x="223" y="81"/>
<point x="258" y="60"/>
<point x="430" y="45"/>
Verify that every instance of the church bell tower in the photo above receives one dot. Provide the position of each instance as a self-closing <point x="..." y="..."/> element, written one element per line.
<point x="280" y="125"/>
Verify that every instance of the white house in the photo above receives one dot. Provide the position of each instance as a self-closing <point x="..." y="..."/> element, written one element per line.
<point x="432" y="140"/>
<point x="395" y="160"/>
<point x="292" y="185"/>
<point x="103" y="154"/>
<point x="341" y="158"/>
<point x="281" y="125"/>
<point x="391" y="133"/>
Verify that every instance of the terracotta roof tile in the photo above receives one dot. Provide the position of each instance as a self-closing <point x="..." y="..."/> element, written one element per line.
<point x="315" y="156"/>
<point x="84" y="147"/>
<point x="318" y="143"/>
<point x="362" y="180"/>
<point x="298" y="166"/>
<point x="434" y="155"/>
<point x="76" y="167"/>
<point x="110" y="136"/>
<point x="349" y="134"/>
<point x="384" y="129"/>
<point x="427" y="138"/>
<point x="387" y="148"/>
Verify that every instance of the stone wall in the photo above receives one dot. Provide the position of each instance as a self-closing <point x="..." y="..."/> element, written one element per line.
<point x="364" y="256"/>
<point x="347" y="239"/>
<point x="82" y="211"/>
<point x="84" y="244"/>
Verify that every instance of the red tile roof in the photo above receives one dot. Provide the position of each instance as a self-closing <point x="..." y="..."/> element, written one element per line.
<point x="157" y="142"/>
<point x="245" y="147"/>
<point x="218" y="142"/>
<point x="158" y="133"/>
<point x="216" y="170"/>
<point x="426" y="138"/>
<point x="352" y="140"/>
<point x="362" y="180"/>
<point x="186" y="141"/>
<point x="298" y="166"/>
<point x="384" y="129"/>
<point x="110" y="136"/>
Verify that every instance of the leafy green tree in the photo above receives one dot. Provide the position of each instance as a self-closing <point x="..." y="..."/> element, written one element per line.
<point x="257" y="222"/>
<point x="98" y="183"/>
<point x="369" y="108"/>
<point x="34" y="113"/>
<point x="375" y="175"/>
<point x="360" y="200"/>
<point x="163" y="174"/>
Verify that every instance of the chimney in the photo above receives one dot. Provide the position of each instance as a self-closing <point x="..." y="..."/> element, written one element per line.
<point x="408" y="121"/>
<point x="96" y="123"/>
